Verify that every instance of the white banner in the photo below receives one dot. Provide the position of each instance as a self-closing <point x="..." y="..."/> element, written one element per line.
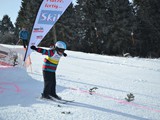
<point x="48" y="14"/>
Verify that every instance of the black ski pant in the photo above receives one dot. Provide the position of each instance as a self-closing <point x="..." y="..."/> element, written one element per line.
<point x="25" y="43"/>
<point x="49" y="83"/>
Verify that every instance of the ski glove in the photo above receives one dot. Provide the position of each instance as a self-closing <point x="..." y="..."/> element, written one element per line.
<point x="33" y="47"/>
<point x="64" y="54"/>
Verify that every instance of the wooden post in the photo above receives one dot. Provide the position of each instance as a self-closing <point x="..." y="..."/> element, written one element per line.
<point x="54" y="34"/>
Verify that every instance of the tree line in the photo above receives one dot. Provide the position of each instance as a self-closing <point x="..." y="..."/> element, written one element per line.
<point x="109" y="27"/>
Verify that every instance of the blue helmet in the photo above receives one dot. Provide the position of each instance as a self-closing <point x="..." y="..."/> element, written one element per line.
<point x="61" y="45"/>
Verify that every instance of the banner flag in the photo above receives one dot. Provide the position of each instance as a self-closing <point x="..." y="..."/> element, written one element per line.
<point x="48" y="14"/>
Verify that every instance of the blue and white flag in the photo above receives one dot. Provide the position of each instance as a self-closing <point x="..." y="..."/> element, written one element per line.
<point x="49" y="12"/>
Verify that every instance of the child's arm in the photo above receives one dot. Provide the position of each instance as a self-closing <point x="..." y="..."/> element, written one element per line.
<point x="43" y="51"/>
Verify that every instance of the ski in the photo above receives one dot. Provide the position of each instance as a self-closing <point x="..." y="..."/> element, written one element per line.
<point x="67" y="100"/>
<point x="62" y="101"/>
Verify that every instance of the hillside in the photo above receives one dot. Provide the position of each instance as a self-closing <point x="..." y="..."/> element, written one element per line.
<point x="115" y="77"/>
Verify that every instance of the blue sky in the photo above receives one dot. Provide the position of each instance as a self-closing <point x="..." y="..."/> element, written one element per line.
<point x="11" y="8"/>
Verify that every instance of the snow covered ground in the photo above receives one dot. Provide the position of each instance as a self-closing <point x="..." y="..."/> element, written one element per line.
<point x="115" y="77"/>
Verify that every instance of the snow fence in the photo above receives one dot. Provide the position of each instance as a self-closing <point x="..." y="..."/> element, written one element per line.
<point x="10" y="56"/>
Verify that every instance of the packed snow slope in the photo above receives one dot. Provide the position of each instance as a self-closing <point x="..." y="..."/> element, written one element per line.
<point x="115" y="77"/>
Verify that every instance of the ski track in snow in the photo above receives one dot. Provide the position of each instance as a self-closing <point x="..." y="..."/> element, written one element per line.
<point x="104" y="87"/>
<point x="117" y="63"/>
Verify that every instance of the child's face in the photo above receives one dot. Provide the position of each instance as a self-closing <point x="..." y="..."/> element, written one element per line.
<point x="60" y="51"/>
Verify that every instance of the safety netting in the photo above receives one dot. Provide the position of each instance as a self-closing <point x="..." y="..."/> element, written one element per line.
<point x="10" y="56"/>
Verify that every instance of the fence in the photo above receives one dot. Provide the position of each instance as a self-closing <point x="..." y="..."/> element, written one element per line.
<point x="10" y="56"/>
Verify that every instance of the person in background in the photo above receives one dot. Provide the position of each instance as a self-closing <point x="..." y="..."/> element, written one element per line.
<point x="24" y="35"/>
<point x="49" y="68"/>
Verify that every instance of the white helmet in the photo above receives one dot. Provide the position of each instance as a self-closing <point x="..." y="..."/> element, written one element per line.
<point x="61" y="45"/>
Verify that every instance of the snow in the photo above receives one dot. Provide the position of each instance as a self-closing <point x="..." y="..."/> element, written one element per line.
<point x="115" y="77"/>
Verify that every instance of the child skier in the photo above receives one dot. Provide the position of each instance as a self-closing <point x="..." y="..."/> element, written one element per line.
<point x="49" y="68"/>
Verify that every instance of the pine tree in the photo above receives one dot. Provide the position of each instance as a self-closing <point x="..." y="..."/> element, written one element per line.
<point x="91" y="24"/>
<point x="65" y="27"/>
<point x="7" y="26"/>
<point x="80" y="25"/>
<point x="147" y="12"/>
<point x="27" y="15"/>
<point x="7" y="31"/>
<point x="120" y="26"/>
<point x="108" y="26"/>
